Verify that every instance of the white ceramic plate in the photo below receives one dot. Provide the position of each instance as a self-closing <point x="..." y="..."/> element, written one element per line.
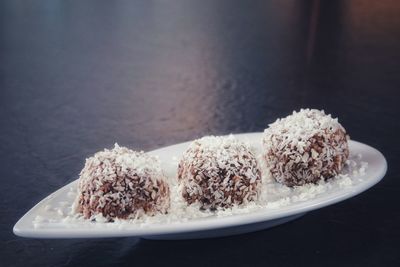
<point x="211" y="226"/>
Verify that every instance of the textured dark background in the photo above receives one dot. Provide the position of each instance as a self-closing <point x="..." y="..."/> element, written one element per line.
<point x="76" y="76"/>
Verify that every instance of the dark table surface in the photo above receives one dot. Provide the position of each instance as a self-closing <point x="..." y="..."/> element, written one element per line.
<point x="77" y="76"/>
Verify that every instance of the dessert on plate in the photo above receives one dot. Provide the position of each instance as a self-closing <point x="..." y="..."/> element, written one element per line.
<point x="305" y="147"/>
<point x="121" y="183"/>
<point x="218" y="172"/>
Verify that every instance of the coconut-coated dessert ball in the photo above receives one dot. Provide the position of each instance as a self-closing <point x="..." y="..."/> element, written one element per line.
<point x="305" y="147"/>
<point x="122" y="183"/>
<point x="218" y="172"/>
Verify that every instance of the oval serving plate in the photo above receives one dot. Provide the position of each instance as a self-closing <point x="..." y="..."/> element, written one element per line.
<point x="44" y="222"/>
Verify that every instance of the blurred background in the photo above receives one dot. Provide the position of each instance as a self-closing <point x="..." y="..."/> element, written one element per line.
<point x="78" y="76"/>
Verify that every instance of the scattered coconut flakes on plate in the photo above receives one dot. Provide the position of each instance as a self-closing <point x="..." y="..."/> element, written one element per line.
<point x="273" y="196"/>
